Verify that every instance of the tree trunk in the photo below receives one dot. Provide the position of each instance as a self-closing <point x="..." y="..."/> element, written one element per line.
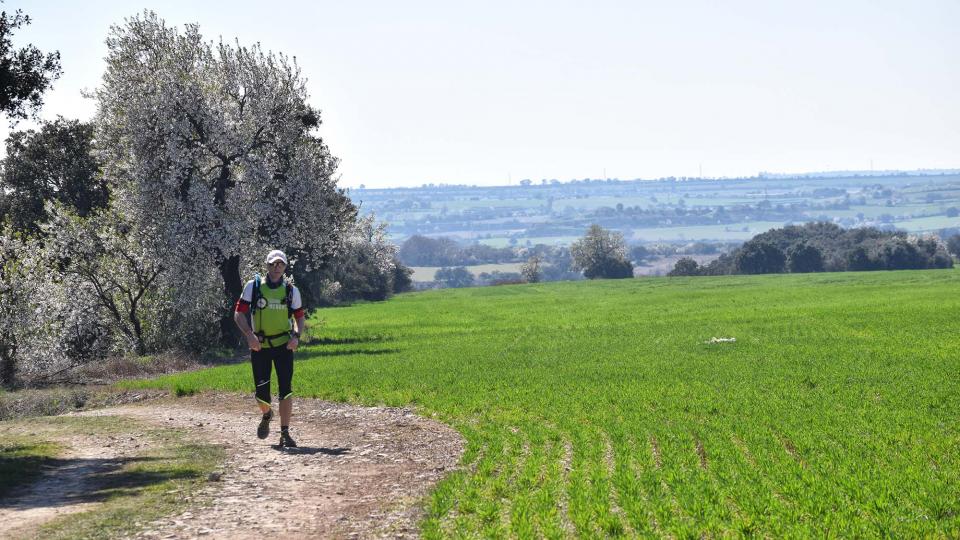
<point x="139" y="344"/>
<point x="8" y="365"/>
<point x="232" y="288"/>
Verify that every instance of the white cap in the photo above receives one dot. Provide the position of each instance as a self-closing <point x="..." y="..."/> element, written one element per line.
<point x="276" y="255"/>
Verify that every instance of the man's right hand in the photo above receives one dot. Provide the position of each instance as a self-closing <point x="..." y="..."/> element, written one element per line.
<point x="253" y="342"/>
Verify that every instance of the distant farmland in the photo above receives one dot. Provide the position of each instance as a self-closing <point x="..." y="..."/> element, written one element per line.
<point x="608" y="408"/>
<point x="426" y="273"/>
<point x="666" y="210"/>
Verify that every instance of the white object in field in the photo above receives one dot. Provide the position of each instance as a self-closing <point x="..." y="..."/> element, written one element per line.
<point x="722" y="340"/>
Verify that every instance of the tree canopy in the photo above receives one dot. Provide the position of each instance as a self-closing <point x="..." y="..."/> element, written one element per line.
<point x="212" y="146"/>
<point x="822" y="246"/>
<point x="454" y="277"/>
<point x="25" y="73"/>
<point x="54" y="163"/>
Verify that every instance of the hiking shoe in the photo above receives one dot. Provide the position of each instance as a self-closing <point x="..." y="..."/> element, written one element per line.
<point x="264" y="428"/>
<point x="286" y="441"/>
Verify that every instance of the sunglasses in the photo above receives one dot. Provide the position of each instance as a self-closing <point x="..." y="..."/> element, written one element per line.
<point x="275" y="264"/>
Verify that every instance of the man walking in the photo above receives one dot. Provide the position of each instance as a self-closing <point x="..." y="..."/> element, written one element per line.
<point x="273" y="305"/>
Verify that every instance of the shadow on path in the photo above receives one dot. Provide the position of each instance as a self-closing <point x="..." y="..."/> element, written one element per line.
<point x="70" y="481"/>
<point x="309" y="451"/>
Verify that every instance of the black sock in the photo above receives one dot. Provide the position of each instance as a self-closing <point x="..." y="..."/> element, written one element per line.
<point x="267" y="414"/>
<point x="284" y="429"/>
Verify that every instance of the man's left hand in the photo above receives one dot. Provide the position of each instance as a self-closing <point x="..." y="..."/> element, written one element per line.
<point x="293" y="344"/>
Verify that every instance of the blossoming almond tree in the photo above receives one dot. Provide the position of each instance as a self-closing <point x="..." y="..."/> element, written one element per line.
<point x="14" y="306"/>
<point x="50" y="318"/>
<point x="209" y="147"/>
<point x="601" y="254"/>
<point x="99" y="253"/>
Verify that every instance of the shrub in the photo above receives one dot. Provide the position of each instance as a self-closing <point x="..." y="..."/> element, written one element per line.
<point x="531" y="270"/>
<point x="454" y="277"/>
<point x="802" y="258"/>
<point x="953" y="245"/>
<point x="759" y="258"/>
<point x="685" y="267"/>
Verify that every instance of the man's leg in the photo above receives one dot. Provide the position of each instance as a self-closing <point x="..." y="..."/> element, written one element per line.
<point x="286" y="411"/>
<point x="284" y="365"/>
<point x="260" y="360"/>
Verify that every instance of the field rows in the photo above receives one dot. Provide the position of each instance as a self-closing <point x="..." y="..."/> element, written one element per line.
<point x="597" y="409"/>
<point x="544" y="482"/>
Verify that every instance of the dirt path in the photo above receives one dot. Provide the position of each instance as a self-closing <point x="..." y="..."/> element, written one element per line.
<point x="66" y="490"/>
<point x="359" y="472"/>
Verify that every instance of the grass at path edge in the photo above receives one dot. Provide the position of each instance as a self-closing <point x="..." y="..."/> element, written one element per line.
<point x="138" y="492"/>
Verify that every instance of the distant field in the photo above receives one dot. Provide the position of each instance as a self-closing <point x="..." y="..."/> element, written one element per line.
<point x="500" y="215"/>
<point x="465" y="204"/>
<point x="722" y="233"/>
<point x="733" y="232"/>
<point x="426" y="273"/>
<point x="602" y="408"/>
<point x="534" y="240"/>
<point x="931" y="223"/>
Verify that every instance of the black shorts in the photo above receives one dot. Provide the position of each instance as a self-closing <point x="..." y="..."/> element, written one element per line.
<point x="262" y="361"/>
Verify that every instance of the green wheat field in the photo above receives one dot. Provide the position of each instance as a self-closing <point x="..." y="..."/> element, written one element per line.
<point x="602" y="408"/>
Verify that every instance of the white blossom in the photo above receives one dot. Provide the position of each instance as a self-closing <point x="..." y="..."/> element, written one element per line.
<point x="208" y="148"/>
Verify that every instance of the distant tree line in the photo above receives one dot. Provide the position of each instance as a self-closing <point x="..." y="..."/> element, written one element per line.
<point x="824" y="247"/>
<point x="552" y="263"/>
<point x="599" y="254"/>
<point x="421" y="250"/>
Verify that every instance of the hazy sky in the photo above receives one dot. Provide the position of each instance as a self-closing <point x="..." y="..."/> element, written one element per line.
<point x="486" y="93"/>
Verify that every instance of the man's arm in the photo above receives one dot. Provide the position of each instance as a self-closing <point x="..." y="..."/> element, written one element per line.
<point x="240" y="319"/>
<point x="301" y="328"/>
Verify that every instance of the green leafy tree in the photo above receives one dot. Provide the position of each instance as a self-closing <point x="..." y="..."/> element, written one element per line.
<point x="685" y="267"/>
<point x="454" y="277"/>
<point x="499" y="278"/>
<point x="859" y="259"/>
<point x="900" y="254"/>
<point x="759" y="258"/>
<point x="638" y="254"/>
<point x="803" y="258"/>
<point x="25" y="73"/>
<point x="402" y="277"/>
<point x="601" y="254"/>
<point x="53" y="164"/>
<point x="421" y="250"/>
<point x="933" y="250"/>
<point x="366" y="267"/>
